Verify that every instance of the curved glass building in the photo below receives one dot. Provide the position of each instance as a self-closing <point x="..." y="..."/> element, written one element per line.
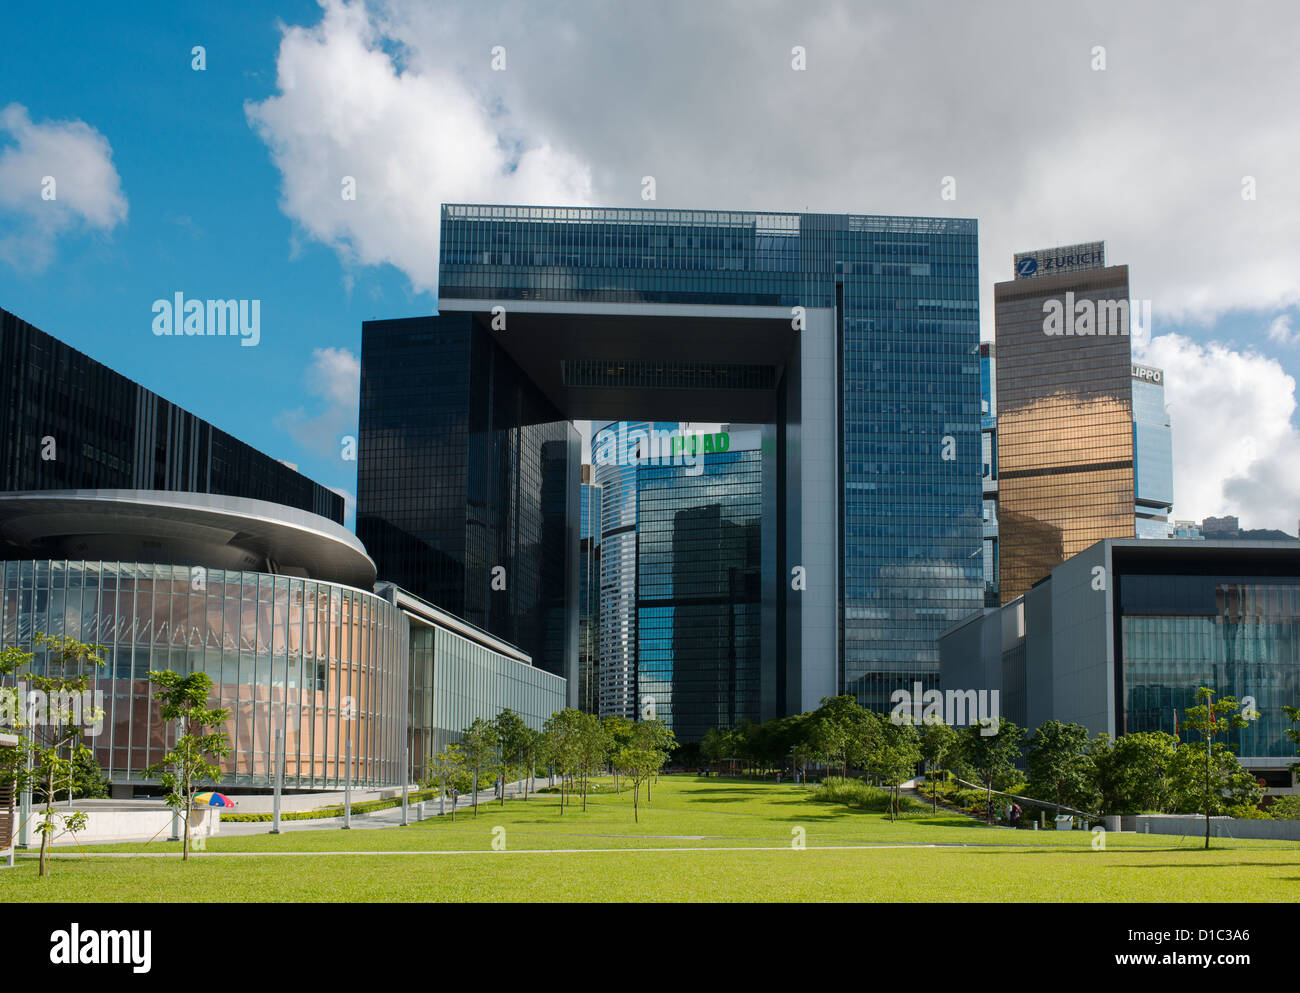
<point x="289" y="643"/>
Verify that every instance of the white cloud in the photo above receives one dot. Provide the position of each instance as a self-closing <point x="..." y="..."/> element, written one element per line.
<point x="1149" y="154"/>
<point x="1280" y="330"/>
<point x="334" y="375"/>
<point x="410" y="138"/>
<point x="1236" y="450"/>
<point x="55" y="177"/>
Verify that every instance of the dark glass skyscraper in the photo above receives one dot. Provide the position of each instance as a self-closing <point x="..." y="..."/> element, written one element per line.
<point x="68" y="422"/>
<point x="589" y="596"/>
<point x="467" y="483"/>
<point x="853" y="338"/>
<point x="699" y="597"/>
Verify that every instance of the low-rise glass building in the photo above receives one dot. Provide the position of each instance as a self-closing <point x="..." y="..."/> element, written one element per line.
<point x="276" y="606"/>
<point x="1119" y="638"/>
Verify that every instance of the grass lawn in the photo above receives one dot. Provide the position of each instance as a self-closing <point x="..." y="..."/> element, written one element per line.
<point x="699" y="840"/>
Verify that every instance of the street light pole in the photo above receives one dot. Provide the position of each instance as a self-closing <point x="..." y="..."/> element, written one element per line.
<point x="347" y="782"/>
<point x="406" y="775"/>
<point x="279" y="779"/>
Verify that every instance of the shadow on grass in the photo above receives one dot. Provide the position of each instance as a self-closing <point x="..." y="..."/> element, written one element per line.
<point x="1187" y="865"/>
<point x="748" y="790"/>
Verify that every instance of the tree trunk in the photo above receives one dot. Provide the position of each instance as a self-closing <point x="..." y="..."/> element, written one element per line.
<point x="988" y="802"/>
<point x="49" y="819"/>
<point x="1207" y="791"/>
<point x="185" y="843"/>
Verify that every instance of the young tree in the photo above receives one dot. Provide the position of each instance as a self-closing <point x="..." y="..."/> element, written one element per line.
<point x="618" y="732"/>
<point x="657" y="738"/>
<point x="1057" y="761"/>
<point x="1212" y="719"/>
<point x="639" y="764"/>
<point x="562" y="735"/>
<point x="894" y="758"/>
<point x="534" y="748"/>
<point x="713" y="746"/>
<point x="515" y="737"/>
<point x="1293" y="715"/>
<point x="592" y="747"/>
<point x="1231" y="785"/>
<point x="446" y="767"/>
<point x="480" y="744"/>
<point x="200" y="736"/>
<point x="991" y="756"/>
<point x="50" y="727"/>
<point x="937" y="741"/>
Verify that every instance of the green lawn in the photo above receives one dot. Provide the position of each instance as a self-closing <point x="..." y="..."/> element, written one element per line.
<point x="603" y="855"/>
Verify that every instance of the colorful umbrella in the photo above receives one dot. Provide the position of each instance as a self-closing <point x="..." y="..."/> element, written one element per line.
<point x="212" y="800"/>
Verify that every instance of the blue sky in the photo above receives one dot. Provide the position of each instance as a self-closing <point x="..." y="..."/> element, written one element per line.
<point x="203" y="216"/>
<point x="225" y="183"/>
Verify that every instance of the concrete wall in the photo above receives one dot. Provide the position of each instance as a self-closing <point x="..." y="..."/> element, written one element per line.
<point x="1039" y="673"/>
<point x="1193" y="825"/>
<point x="970" y="656"/>
<point x="819" y="496"/>
<point x="123" y="820"/>
<point x="1083" y="671"/>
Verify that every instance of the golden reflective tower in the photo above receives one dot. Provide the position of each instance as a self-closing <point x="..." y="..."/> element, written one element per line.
<point x="1065" y="411"/>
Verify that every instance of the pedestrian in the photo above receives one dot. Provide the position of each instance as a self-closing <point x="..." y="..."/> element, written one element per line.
<point x="1015" y="815"/>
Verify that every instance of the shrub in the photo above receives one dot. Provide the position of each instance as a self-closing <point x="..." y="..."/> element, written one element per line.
<point x="1285" y="808"/>
<point x="368" y="807"/>
<point x="1248" y="812"/>
<point x="862" y="796"/>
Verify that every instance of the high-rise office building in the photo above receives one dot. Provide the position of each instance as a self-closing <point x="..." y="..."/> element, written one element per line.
<point x="68" y="422"/>
<point x="989" y="468"/>
<point x="1152" y="459"/>
<point x="468" y="484"/>
<point x="1153" y="454"/>
<point x="699" y="592"/>
<point x="1065" y="411"/>
<point x="589" y="595"/>
<point x="620" y="452"/>
<point x="853" y="340"/>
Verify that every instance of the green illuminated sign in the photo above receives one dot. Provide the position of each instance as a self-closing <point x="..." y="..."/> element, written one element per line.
<point x="708" y="444"/>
